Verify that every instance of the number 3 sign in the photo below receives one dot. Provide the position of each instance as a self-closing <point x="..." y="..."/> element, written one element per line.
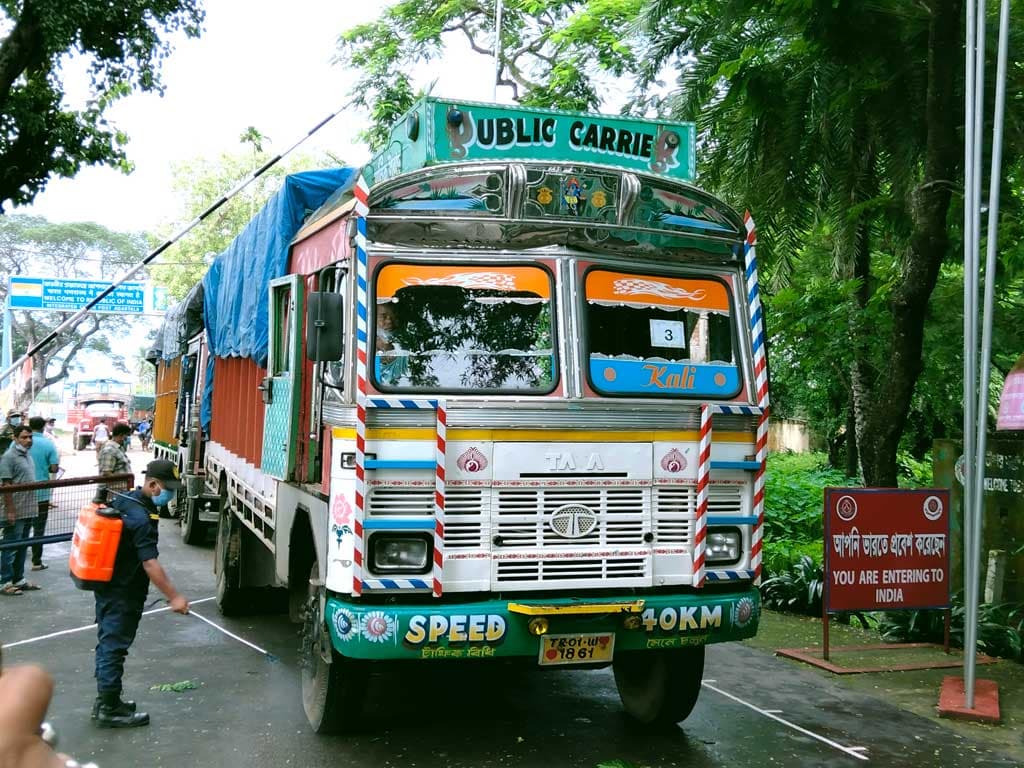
<point x="668" y="333"/>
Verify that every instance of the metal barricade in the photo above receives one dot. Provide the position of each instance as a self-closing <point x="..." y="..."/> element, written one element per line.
<point x="65" y="499"/>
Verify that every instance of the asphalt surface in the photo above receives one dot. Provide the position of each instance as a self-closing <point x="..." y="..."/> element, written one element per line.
<point x="755" y="710"/>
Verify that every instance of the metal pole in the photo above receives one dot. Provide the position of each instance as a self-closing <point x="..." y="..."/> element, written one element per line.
<point x="995" y="180"/>
<point x="970" y="296"/>
<point x="166" y="244"/>
<point x="972" y="534"/>
<point x="497" y="46"/>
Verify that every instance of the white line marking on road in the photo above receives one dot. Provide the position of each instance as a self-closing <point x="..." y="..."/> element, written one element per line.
<point x="90" y="626"/>
<point x="773" y="711"/>
<point x="853" y="751"/>
<point x="232" y="635"/>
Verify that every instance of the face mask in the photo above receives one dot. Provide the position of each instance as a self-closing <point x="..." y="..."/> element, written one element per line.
<point x="15" y="421"/>
<point x="164" y="498"/>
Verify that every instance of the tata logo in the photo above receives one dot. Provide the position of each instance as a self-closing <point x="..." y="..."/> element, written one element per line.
<point x="573" y="521"/>
<point x="565" y="461"/>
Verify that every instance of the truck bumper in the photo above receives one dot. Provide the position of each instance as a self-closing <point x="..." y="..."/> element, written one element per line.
<point x="502" y="628"/>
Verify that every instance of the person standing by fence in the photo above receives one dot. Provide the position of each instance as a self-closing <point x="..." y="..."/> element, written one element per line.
<point x="46" y="459"/>
<point x="113" y="460"/>
<point x="19" y="510"/>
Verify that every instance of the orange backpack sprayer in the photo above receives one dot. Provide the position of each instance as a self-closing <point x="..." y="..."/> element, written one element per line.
<point x="95" y="541"/>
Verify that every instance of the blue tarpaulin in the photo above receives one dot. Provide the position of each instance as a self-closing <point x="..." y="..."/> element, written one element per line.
<point x="235" y="309"/>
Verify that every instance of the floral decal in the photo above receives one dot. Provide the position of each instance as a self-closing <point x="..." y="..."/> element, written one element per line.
<point x="472" y="461"/>
<point x="673" y="461"/>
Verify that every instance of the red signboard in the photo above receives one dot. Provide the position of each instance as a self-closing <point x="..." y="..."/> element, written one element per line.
<point x="886" y="549"/>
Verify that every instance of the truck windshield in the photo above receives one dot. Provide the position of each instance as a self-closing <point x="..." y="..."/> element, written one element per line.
<point x="660" y="336"/>
<point x="462" y="328"/>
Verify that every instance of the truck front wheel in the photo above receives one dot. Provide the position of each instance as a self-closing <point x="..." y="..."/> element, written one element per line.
<point x="333" y="687"/>
<point x="659" y="687"/>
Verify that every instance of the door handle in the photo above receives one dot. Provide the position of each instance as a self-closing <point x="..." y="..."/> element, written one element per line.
<point x="267" y="388"/>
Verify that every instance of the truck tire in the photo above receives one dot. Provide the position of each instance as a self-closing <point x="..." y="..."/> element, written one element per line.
<point x="193" y="531"/>
<point x="81" y="442"/>
<point x="659" y="687"/>
<point x="333" y="686"/>
<point x="232" y="599"/>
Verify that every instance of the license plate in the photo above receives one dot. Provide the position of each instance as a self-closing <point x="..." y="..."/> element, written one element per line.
<point x="592" y="648"/>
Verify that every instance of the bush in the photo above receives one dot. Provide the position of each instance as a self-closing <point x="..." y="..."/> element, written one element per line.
<point x="1000" y="627"/>
<point x="798" y="589"/>
<point x="914" y="473"/>
<point x="780" y="556"/>
<point x="794" y="497"/>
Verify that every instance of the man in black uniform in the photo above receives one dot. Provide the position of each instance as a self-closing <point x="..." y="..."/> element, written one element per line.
<point x="119" y="605"/>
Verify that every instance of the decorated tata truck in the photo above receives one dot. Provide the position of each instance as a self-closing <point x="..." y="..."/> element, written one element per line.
<point x="179" y="354"/>
<point x="499" y="395"/>
<point x="96" y="400"/>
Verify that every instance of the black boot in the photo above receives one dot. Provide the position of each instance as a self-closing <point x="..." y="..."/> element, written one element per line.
<point x="123" y="704"/>
<point x="114" y="713"/>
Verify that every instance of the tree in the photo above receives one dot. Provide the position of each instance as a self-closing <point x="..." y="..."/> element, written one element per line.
<point x="123" y="42"/>
<point x="805" y="128"/>
<point x="32" y="246"/>
<point x="554" y="53"/>
<point x="198" y="184"/>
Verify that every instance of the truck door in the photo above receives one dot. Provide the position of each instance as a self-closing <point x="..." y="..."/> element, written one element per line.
<point x="281" y="389"/>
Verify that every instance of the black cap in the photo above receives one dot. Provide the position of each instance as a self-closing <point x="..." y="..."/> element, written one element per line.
<point x="165" y="472"/>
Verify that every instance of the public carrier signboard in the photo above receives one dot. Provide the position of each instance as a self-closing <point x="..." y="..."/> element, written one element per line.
<point x="886" y="549"/>
<point x="444" y="131"/>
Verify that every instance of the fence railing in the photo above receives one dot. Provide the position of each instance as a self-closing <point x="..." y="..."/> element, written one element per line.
<point x="64" y="499"/>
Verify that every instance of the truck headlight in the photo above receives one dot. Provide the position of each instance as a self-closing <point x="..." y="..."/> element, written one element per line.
<point x="723" y="546"/>
<point x="409" y="553"/>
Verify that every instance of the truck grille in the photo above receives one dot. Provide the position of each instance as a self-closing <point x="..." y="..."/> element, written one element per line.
<point x="466" y="511"/>
<point x="598" y="569"/>
<point x="676" y="506"/>
<point x="522" y="516"/>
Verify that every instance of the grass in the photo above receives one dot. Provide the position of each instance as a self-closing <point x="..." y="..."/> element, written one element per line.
<point x="916" y="691"/>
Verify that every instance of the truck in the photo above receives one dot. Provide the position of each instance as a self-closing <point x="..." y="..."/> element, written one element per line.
<point x="178" y="353"/>
<point x="499" y="395"/>
<point x="94" y="400"/>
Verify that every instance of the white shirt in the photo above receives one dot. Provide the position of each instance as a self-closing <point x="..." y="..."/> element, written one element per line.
<point x="100" y="433"/>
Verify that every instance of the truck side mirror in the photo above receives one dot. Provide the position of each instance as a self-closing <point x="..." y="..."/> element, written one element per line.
<point x="325" y="326"/>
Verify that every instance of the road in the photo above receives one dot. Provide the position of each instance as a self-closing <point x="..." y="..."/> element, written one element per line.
<point x="755" y="710"/>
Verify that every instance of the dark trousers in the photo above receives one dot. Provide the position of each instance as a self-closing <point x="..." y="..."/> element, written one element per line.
<point x="12" y="561"/>
<point x="117" y="620"/>
<point x="38" y="529"/>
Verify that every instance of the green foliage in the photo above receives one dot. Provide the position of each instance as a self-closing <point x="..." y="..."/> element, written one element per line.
<point x="198" y="184"/>
<point x="181" y="687"/>
<point x="914" y="473"/>
<point x="1000" y="627"/>
<point x="779" y="555"/>
<point x="795" y="497"/>
<point x="798" y="589"/>
<point x="553" y="52"/>
<point x="33" y="246"/>
<point x="845" y="152"/>
<point x="123" y="43"/>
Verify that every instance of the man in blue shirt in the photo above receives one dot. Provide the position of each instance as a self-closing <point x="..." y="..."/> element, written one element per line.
<point x="119" y="603"/>
<point x="45" y="457"/>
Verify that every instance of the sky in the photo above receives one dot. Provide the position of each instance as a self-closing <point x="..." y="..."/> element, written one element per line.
<point x="262" y="63"/>
<point x="265" y="63"/>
